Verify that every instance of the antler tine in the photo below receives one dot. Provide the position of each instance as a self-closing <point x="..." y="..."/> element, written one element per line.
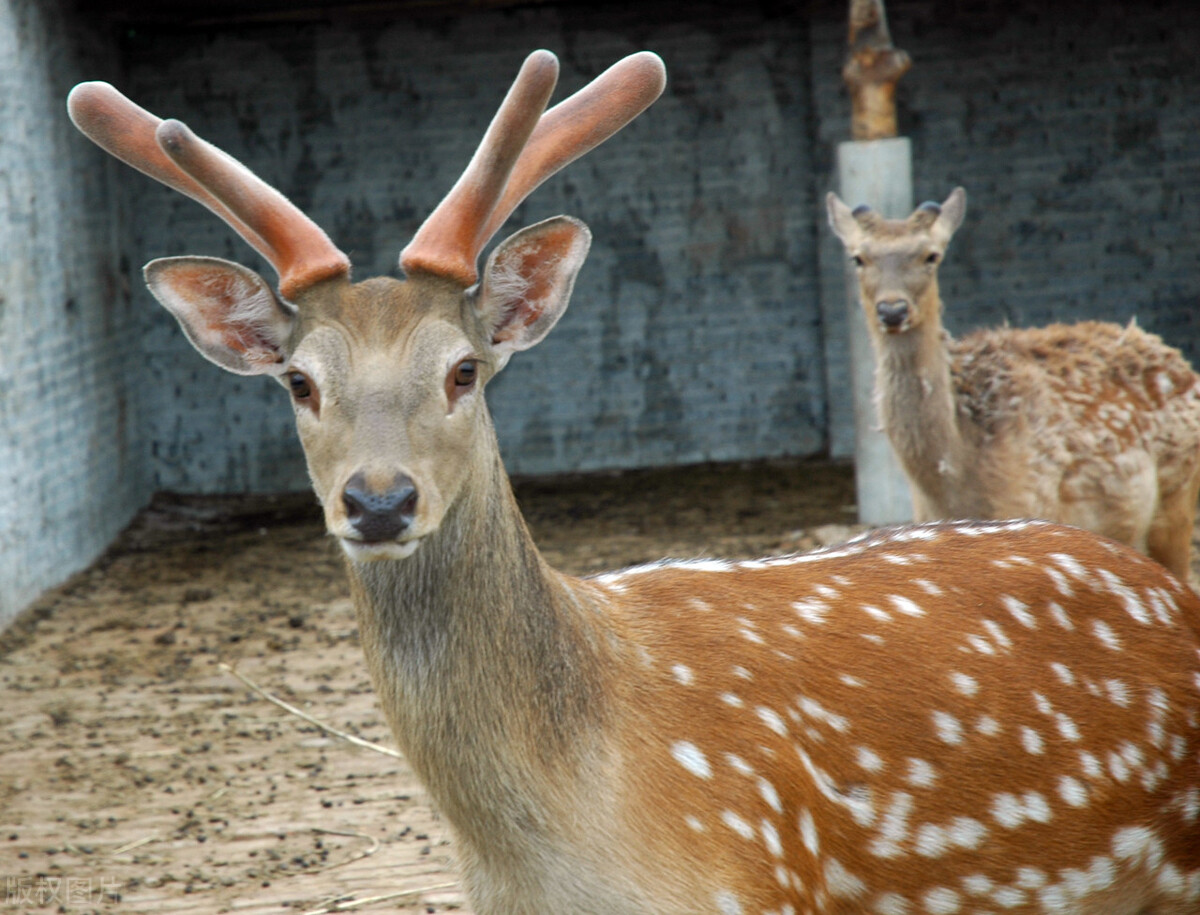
<point x="297" y="247"/>
<point x="168" y="152"/>
<point x="448" y="242"/>
<point x="127" y="132"/>
<point x="578" y="124"/>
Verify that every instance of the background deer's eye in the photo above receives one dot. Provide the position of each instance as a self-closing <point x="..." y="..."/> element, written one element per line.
<point x="932" y="258"/>
<point x="465" y="373"/>
<point x="856" y="260"/>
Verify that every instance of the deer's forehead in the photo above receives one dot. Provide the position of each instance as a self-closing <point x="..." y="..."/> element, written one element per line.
<point x="896" y="246"/>
<point x="421" y="346"/>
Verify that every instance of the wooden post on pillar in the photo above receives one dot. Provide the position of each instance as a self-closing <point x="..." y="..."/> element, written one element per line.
<point x="876" y="169"/>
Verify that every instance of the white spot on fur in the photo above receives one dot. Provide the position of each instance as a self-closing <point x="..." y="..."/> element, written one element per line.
<point x="1031" y="740"/>
<point x="694" y="823"/>
<point x="840" y="883"/>
<point x="949" y="729"/>
<point x="1064" y="674"/>
<point x="890" y="904"/>
<point x="1138" y="844"/>
<point x="997" y="633"/>
<point x="1072" y="791"/>
<point x="905" y="605"/>
<point x="868" y="759"/>
<point x="683" y="674"/>
<point x="732" y="700"/>
<point x="1019" y="611"/>
<point x="928" y="587"/>
<point x="772" y="719"/>
<point x="728" y="903"/>
<point x="1066" y="727"/>
<point x="737" y="824"/>
<point x="893" y="829"/>
<point x="811" y="610"/>
<point x="1060" y="616"/>
<point x="770" y="795"/>
<point x="964" y="683"/>
<point x="808" y="832"/>
<point x="1105" y="634"/>
<point x="942" y="900"/>
<point x="920" y="773"/>
<point x="771" y="839"/>
<point x="978" y="884"/>
<point x="739" y="764"/>
<point x="988" y="726"/>
<point x="689" y="756"/>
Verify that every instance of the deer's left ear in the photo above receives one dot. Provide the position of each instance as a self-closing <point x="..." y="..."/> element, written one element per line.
<point x="528" y="280"/>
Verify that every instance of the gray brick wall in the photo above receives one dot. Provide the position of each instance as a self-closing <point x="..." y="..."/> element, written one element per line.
<point x="708" y="322"/>
<point x="1073" y="127"/>
<point x="693" y="333"/>
<point x="70" y="452"/>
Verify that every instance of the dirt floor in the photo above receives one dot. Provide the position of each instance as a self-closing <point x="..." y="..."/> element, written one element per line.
<point x="139" y="774"/>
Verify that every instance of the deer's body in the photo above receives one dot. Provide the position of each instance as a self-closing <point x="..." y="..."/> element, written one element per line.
<point x="957" y="718"/>
<point x="1090" y="424"/>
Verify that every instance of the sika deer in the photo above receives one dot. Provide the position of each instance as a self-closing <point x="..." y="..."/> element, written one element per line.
<point x="963" y="717"/>
<point x="1089" y="424"/>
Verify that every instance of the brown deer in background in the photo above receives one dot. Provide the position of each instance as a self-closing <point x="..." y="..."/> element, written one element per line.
<point x="1090" y="424"/>
<point x="962" y="717"/>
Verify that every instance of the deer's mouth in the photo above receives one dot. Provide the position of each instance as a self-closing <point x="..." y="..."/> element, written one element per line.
<point x="374" y="551"/>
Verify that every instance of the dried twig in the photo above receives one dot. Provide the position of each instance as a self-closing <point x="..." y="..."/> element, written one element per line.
<point x="291" y="709"/>
<point x="337" y="906"/>
<point x="351" y="834"/>
<point x="138" y="843"/>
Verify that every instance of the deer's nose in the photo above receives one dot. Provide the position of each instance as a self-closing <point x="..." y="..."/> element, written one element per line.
<point x="379" y="516"/>
<point x="892" y="313"/>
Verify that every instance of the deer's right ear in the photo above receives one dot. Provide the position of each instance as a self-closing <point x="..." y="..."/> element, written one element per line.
<point x="230" y="313"/>
<point x="528" y="280"/>
<point x="841" y="218"/>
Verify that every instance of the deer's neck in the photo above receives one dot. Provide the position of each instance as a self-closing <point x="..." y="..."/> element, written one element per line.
<point x="488" y="664"/>
<point x="917" y="407"/>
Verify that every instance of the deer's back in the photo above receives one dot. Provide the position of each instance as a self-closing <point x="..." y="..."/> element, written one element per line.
<point x="973" y="714"/>
<point x="1094" y="400"/>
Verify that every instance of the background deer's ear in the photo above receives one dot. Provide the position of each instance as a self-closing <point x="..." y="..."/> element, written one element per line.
<point x="954" y="208"/>
<point x="528" y="280"/>
<point x="841" y="218"/>
<point x="230" y="313"/>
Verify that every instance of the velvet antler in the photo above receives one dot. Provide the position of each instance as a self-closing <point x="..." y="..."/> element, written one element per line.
<point x="521" y="149"/>
<point x="168" y="151"/>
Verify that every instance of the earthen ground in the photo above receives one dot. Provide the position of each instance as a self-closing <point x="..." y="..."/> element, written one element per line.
<point x="137" y="774"/>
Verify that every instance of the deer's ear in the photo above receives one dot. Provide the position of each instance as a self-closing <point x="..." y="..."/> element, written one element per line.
<point x="528" y="280"/>
<point x="954" y="208"/>
<point x="230" y="313"/>
<point x="841" y="218"/>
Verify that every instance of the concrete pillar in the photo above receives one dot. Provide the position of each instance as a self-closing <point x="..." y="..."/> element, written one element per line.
<point x="879" y="174"/>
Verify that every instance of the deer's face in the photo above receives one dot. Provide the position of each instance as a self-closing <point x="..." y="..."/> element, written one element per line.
<point x="386" y="377"/>
<point x="388" y="395"/>
<point x="897" y="279"/>
<point x="896" y="261"/>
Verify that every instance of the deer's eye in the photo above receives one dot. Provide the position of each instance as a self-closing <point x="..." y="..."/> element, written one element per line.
<point x="856" y="260"/>
<point x="461" y="379"/>
<point x="465" y="373"/>
<point x="932" y="258"/>
<point x="303" y="390"/>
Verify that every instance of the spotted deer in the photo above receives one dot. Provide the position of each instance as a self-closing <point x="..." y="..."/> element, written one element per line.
<point x="970" y="717"/>
<point x="1090" y="424"/>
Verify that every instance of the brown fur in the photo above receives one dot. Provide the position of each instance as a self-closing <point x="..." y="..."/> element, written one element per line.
<point x="1090" y="424"/>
